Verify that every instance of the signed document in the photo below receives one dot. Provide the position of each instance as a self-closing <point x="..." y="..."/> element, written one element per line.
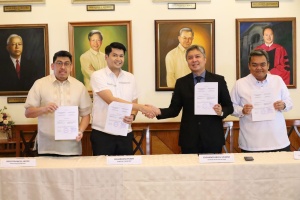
<point x="114" y="120"/>
<point x="263" y="109"/>
<point x="66" y="123"/>
<point x="206" y="96"/>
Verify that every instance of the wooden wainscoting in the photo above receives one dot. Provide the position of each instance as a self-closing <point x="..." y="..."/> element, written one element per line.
<point x="163" y="138"/>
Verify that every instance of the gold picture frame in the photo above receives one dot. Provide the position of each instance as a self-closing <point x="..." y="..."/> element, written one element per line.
<point x="100" y="1"/>
<point x="249" y="36"/>
<point x="34" y="58"/>
<point x="112" y="31"/>
<point x="166" y="39"/>
<point x="22" y="2"/>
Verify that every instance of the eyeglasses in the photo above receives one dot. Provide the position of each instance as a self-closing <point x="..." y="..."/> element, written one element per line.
<point x="16" y="44"/>
<point x="187" y="38"/>
<point x="255" y="65"/>
<point x="60" y="64"/>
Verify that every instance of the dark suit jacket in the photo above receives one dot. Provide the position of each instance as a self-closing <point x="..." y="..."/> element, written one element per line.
<point x="9" y="80"/>
<point x="197" y="130"/>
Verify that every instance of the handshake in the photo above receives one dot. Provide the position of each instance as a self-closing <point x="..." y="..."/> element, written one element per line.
<point x="149" y="111"/>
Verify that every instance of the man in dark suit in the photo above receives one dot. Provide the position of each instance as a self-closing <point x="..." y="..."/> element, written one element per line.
<point x="16" y="73"/>
<point x="198" y="133"/>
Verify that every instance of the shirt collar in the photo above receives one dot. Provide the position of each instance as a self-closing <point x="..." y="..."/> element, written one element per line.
<point x="93" y="51"/>
<point x="259" y="82"/>
<point x="181" y="47"/>
<point x="54" y="80"/>
<point x="109" y="72"/>
<point x="202" y="75"/>
<point x="268" y="45"/>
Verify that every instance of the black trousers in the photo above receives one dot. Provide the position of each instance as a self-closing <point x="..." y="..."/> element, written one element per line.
<point x="106" y="144"/>
<point x="275" y="150"/>
<point x="201" y="149"/>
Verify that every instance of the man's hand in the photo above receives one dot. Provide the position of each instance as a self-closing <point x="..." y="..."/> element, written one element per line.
<point x="247" y="109"/>
<point x="218" y="109"/>
<point x="79" y="136"/>
<point x="50" y="107"/>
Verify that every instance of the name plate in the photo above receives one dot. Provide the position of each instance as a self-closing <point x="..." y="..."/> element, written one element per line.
<point x="124" y="160"/>
<point x="216" y="158"/>
<point x="297" y="155"/>
<point x="18" y="162"/>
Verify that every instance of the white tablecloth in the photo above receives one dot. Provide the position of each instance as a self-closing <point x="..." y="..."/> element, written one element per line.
<point x="161" y="177"/>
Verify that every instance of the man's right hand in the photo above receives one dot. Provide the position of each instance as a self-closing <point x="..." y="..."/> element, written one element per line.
<point x="247" y="109"/>
<point x="50" y="107"/>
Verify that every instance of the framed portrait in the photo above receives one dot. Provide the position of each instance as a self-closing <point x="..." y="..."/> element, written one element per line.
<point x="100" y="1"/>
<point x="24" y="57"/>
<point x="172" y="37"/>
<point x="21" y="1"/>
<point x="84" y="64"/>
<point x="173" y="1"/>
<point x="277" y="36"/>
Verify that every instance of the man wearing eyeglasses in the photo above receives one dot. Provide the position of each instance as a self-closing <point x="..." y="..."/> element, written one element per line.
<point x="176" y="64"/>
<point x="259" y="101"/>
<point x="44" y="98"/>
<point x="17" y="73"/>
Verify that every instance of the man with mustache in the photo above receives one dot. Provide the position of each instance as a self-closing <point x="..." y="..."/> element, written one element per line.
<point x="50" y="92"/>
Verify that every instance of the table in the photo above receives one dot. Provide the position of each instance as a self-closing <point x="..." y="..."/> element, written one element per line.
<point x="274" y="176"/>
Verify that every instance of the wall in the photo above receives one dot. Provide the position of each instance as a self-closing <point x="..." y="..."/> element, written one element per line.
<point x="142" y="13"/>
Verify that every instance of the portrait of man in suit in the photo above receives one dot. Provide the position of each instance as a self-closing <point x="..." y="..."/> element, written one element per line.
<point x="17" y="73"/>
<point x="23" y="57"/>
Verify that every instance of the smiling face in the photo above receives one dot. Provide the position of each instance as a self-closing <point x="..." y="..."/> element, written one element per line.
<point x="115" y="59"/>
<point x="62" y="68"/>
<point x="196" y="61"/>
<point x="259" y="67"/>
<point x="186" y="39"/>
<point x="95" y="42"/>
<point x="15" y="47"/>
<point x="268" y="36"/>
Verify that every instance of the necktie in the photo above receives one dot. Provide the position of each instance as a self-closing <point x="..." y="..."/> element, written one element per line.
<point x="18" y="68"/>
<point x="198" y="78"/>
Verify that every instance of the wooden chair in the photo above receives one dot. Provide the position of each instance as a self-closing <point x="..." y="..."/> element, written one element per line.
<point x="228" y="126"/>
<point x="138" y="143"/>
<point x="294" y="127"/>
<point x="28" y="143"/>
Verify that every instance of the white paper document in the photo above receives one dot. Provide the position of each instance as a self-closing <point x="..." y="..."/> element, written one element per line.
<point x="216" y="158"/>
<point x="114" y="120"/>
<point x="66" y="123"/>
<point x="206" y="96"/>
<point x="18" y="162"/>
<point x="263" y="108"/>
<point x="124" y="160"/>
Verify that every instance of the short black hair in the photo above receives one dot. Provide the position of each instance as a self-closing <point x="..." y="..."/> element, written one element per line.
<point x="258" y="52"/>
<point x="115" y="45"/>
<point x="62" y="53"/>
<point x="267" y="27"/>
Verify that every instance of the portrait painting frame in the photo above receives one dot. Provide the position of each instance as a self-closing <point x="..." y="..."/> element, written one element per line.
<point x="99" y="1"/>
<point x="22" y="2"/>
<point x="35" y="51"/>
<point x="174" y="1"/>
<point x="249" y="36"/>
<point x="166" y="39"/>
<point x="118" y="31"/>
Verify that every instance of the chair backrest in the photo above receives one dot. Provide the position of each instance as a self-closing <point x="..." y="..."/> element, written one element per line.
<point x="228" y="126"/>
<point x="296" y="124"/>
<point x="138" y="143"/>
<point x="28" y="143"/>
